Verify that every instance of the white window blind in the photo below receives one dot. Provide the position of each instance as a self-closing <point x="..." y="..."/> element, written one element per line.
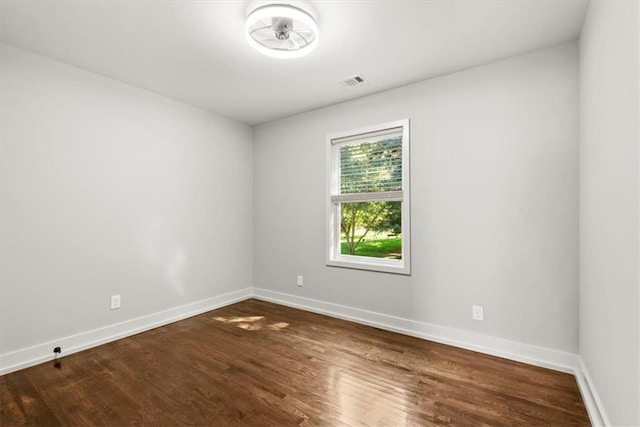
<point x="369" y="166"/>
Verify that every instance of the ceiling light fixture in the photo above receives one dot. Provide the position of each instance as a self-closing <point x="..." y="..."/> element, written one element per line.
<point x="281" y="31"/>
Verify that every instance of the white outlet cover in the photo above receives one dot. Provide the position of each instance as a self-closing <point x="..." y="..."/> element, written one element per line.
<point x="477" y="312"/>
<point x="300" y="281"/>
<point x="115" y="302"/>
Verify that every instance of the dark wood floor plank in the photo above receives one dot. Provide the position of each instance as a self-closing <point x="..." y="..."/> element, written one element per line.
<point x="259" y="364"/>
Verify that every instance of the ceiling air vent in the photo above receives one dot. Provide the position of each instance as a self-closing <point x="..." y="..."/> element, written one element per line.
<point x="353" y="81"/>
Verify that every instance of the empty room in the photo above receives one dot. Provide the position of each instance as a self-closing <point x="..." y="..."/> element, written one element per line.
<point x="320" y="213"/>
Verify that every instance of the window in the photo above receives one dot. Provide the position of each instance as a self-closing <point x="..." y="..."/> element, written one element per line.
<point x="368" y="200"/>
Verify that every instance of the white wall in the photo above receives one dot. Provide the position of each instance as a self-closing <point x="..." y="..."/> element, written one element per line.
<point x="609" y="215"/>
<point x="108" y="189"/>
<point x="494" y="201"/>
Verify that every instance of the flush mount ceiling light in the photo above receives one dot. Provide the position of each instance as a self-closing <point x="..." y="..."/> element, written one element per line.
<point x="281" y="31"/>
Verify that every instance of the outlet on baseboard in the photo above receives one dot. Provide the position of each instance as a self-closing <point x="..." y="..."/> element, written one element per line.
<point x="300" y="281"/>
<point x="477" y="312"/>
<point x="115" y="302"/>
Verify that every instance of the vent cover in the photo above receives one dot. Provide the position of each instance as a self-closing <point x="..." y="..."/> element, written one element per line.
<point x="353" y="81"/>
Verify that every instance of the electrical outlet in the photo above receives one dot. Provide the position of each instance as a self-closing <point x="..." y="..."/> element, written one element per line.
<point x="477" y="312"/>
<point x="300" y="281"/>
<point x="115" y="302"/>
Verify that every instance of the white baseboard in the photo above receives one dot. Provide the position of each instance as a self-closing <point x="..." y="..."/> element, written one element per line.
<point x="23" y="358"/>
<point x="533" y="355"/>
<point x="590" y="396"/>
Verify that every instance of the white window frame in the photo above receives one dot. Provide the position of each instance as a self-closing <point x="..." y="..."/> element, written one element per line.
<point x="334" y="256"/>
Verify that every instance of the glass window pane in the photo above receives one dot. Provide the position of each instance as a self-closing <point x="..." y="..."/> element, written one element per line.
<point x="367" y="167"/>
<point x="371" y="229"/>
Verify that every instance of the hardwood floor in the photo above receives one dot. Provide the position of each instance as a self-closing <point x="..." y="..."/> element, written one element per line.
<point x="261" y="364"/>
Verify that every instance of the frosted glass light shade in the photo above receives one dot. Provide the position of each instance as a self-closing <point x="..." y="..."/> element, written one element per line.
<point x="281" y="31"/>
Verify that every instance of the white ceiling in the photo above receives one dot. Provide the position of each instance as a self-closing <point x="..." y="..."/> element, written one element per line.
<point x="195" y="51"/>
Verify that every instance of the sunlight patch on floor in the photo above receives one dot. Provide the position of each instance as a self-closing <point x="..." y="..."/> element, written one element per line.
<point x="252" y="323"/>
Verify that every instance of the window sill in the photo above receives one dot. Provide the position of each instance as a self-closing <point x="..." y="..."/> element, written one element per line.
<point x="371" y="264"/>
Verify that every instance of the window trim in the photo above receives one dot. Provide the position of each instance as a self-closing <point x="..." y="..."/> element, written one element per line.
<point x="333" y="256"/>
